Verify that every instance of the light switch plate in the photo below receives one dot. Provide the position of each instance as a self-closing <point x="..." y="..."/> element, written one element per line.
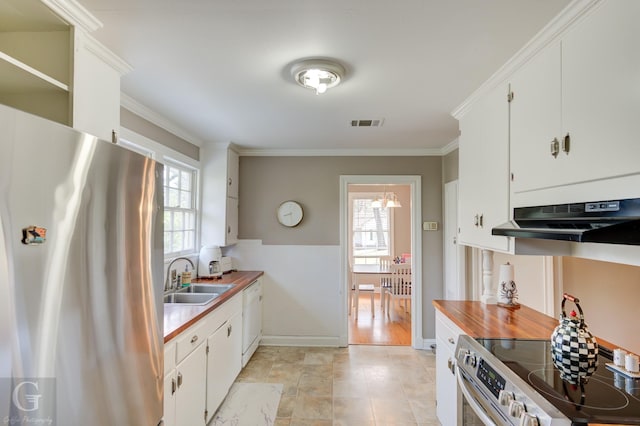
<point x="430" y="226"/>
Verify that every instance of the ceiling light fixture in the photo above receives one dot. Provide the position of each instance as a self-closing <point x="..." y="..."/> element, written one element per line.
<point x="388" y="200"/>
<point x="317" y="74"/>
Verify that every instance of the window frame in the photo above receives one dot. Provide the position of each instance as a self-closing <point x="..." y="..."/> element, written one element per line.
<point x="165" y="155"/>
<point x="171" y="164"/>
<point x="352" y="196"/>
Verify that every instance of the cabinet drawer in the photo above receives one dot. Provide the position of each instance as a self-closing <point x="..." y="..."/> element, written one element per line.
<point x="446" y="331"/>
<point x="190" y="339"/>
<point x="169" y="357"/>
<point x="217" y="318"/>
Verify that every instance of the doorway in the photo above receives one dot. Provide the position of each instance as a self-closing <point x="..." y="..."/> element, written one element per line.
<point x="400" y="324"/>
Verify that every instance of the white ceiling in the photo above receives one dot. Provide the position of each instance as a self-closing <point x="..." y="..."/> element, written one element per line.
<point x="219" y="68"/>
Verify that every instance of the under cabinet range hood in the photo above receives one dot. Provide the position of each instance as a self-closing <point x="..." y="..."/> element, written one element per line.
<point x="611" y="222"/>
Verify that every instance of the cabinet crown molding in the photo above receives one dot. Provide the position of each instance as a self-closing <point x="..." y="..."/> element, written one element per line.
<point x="74" y="13"/>
<point x="552" y="32"/>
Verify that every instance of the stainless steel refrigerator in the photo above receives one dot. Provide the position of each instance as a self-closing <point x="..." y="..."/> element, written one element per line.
<point x="81" y="264"/>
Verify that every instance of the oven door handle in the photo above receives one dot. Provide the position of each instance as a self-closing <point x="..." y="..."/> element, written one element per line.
<point x="477" y="408"/>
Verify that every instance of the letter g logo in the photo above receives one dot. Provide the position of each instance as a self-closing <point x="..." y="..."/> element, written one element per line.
<point x="31" y="399"/>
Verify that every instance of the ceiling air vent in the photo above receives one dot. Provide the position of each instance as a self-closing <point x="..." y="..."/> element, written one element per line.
<point x="367" y="123"/>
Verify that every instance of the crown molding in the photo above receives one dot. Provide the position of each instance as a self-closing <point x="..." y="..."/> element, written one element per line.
<point x="74" y="13"/>
<point x="106" y="55"/>
<point x="254" y="152"/>
<point x="450" y="147"/>
<point x="549" y="34"/>
<point x="148" y="114"/>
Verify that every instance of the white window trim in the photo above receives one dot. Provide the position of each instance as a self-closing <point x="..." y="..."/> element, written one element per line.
<point x="161" y="153"/>
<point x="370" y="195"/>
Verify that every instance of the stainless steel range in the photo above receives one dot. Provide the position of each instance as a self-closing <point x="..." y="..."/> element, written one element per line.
<point x="515" y="382"/>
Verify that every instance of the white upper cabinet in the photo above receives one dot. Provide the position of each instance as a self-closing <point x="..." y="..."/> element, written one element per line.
<point x="583" y="92"/>
<point x="484" y="171"/>
<point x="51" y="67"/>
<point x="220" y="171"/>
<point x="96" y="87"/>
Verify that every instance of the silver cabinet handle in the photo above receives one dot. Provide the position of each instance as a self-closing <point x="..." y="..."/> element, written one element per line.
<point x="566" y="144"/>
<point x="450" y="340"/>
<point x="230" y="181"/>
<point x="173" y="386"/>
<point x="476" y="220"/>
<point x="555" y="147"/>
<point x="451" y="365"/>
<point x="229" y="329"/>
<point x="179" y="379"/>
<point x="194" y="339"/>
<point x="481" y="220"/>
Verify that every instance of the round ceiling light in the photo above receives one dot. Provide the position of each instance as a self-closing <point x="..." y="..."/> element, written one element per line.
<point x="317" y="74"/>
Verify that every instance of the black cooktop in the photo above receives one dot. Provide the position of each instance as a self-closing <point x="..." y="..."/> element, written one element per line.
<point x="600" y="396"/>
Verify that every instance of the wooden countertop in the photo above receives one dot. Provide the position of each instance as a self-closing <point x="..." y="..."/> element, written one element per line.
<point x="178" y="318"/>
<point x="492" y="321"/>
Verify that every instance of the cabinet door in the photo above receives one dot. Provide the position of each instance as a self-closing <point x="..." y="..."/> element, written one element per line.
<point x="223" y="362"/>
<point x="232" y="221"/>
<point x="601" y="93"/>
<point x="170" y="387"/>
<point x="192" y="385"/>
<point x="233" y="173"/>
<point x="484" y="171"/>
<point x="447" y="393"/>
<point x="96" y="91"/>
<point x="535" y="121"/>
<point x="446" y="386"/>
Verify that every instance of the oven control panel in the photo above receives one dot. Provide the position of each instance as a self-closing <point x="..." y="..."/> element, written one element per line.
<point x="490" y="378"/>
<point x="510" y="400"/>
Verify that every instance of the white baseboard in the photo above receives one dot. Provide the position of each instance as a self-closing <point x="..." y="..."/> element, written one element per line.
<point x="328" y="341"/>
<point x="305" y="341"/>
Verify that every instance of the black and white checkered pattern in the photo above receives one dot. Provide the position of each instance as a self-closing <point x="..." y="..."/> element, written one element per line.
<point x="575" y="342"/>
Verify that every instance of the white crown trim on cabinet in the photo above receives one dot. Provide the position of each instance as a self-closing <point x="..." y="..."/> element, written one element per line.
<point x="551" y="32"/>
<point x="74" y="13"/>
<point x="107" y="56"/>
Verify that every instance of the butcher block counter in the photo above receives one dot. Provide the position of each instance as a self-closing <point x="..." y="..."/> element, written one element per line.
<point x="178" y="317"/>
<point x="492" y="321"/>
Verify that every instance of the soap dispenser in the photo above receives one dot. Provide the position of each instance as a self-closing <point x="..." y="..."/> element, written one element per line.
<point x="186" y="276"/>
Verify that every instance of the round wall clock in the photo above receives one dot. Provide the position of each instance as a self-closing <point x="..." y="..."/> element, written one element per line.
<point x="289" y="213"/>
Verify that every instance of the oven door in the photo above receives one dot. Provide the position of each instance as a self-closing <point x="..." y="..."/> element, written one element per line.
<point x="477" y="408"/>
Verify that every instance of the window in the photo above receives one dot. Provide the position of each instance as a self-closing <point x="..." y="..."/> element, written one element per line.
<point x="179" y="209"/>
<point x="371" y="227"/>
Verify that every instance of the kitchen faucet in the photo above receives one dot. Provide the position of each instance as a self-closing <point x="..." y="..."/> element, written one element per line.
<point x="168" y="286"/>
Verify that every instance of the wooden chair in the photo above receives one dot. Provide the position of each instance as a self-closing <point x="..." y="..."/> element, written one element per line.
<point x="354" y="293"/>
<point x="400" y="287"/>
<point x="385" y="279"/>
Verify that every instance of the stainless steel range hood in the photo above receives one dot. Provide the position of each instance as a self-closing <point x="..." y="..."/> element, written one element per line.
<point x="612" y="222"/>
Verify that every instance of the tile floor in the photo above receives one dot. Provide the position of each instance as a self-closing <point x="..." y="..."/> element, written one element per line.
<point x="358" y="385"/>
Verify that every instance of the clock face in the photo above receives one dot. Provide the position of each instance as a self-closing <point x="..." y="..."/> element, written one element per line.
<point x="289" y="213"/>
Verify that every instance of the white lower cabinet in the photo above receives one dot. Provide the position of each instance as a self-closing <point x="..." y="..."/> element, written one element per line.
<point x="448" y="398"/>
<point x="192" y="385"/>
<point x="223" y="361"/>
<point x="201" y="364"/>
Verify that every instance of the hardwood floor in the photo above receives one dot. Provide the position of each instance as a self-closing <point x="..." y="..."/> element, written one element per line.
<point x="389" y="328"/>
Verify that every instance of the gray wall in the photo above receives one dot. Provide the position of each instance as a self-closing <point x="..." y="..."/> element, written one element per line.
<point x="450" y="167"/>
<point x="146" y="128"/>
<point x="265" y="182"/>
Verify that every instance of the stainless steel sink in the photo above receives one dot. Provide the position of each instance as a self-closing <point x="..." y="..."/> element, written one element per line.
<point x="190" y="298"/>
<point x="207" y="288"/>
